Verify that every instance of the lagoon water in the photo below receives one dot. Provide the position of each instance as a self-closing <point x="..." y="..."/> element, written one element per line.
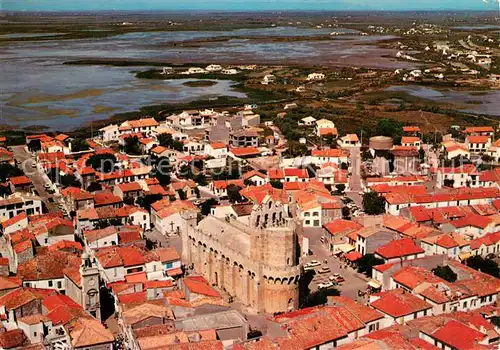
<point x="37" y="89"/>
<point x="490" y="100"/>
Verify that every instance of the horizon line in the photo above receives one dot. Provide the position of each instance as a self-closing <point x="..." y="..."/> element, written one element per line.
<point x="257" y="10"/>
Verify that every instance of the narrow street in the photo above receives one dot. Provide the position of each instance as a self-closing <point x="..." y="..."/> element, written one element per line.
<point x="354" y="281"/>
<point x="24" y="161"/>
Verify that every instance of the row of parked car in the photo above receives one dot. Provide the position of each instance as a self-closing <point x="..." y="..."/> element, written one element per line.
<point x="334" y="279"/>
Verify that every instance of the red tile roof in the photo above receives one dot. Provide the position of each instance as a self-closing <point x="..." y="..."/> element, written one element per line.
<point x="342" y="227"/>
<point x="20" y="180"/>
<point x="14" y="220"/>
<point x="478" y="139"/>
<point x="478" y="129"/>
<point x="398" y="302"/>
<point x="14" y="338"/>
<point x="411" y="128"/>
<point x="199" y="285"/>
<point x="458" y="336"/>
<point x="217" y="145"/>
<point x="296" y="172"/>
<point x="129" y="187"/>
<point x="399" y="248"/>
<point x="410" y="139"/>
<point x="245" y="151"/>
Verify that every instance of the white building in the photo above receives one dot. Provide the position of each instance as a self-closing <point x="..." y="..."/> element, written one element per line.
<point x="316" y="76"/>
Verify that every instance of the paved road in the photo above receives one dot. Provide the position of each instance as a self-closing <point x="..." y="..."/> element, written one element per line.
<point x="353" y="280"/>
<point x="25" y="161"/>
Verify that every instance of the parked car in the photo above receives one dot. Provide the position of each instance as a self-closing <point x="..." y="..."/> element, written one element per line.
<point x="337" y="277"/>
<point x="325" y="285"/>
<point x="324" y="269"/>
<point x="312" y="263"/>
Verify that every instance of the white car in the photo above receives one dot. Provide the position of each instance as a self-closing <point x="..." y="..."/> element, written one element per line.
<point x="325" y="285"/>
<point x="312" y="263"/>
<point x="324" y="269"/>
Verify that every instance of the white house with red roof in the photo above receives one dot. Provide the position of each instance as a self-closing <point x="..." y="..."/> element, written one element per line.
<point x="488" y="244"/>
<point x="166" y="216"/>
<point x="14" y="224"/>
<point x="465" y="175"/>
<point x="399" y="306"/>
<point x="453" y="149"/>
<point x="296" y="175"/>
<point x="451" y="244"/>
<point x="109" y="133"/>
<point x="458" y="197"/>
<point x="399" y="250"/>
<point x="349" y="140"/>
<point x="474" y="226"/>
<point x="478" y="144"/>
<point x="256" y="177"/>
<point x="337" y="156"/>
<point x="411" y="141"/>
<point x="219" y="187"/>
<point x="145" y="125"/>
<point x="216" y="150"/>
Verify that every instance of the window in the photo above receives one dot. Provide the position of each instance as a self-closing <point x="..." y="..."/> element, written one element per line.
<point x="315" y="213"/>
<point x="308" y="222"/>
<point x="465" y="305"/>
<point x="306" y="214"/>
<point x="59" y="285"/>
<point x="170" y="265"/>
<point x="50" y="283"/>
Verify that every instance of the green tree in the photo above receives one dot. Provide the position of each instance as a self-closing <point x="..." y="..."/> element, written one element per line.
<point x="201" y="179"/>
<point x="233" y="193"/>
<point x="7" y="171"/>
<point x="79" y="145"/>
<point x="162" y="171"/>
<point x="165" y="140"/>
<point x="366" y="262"/>
<point x="485" y="265"/>
<point x="446" y="273"/>
<point x="207" y="205"/>
<point x="104" y="163"/>
<point x="132" y="145"/>
<point x="340" y="188"/>
<point x="390" y="127"/>
<point x="129" y="201"/>
<point x="296" y="149"/>
<point x="146" y="201"/>
<point x="94" y="187"/>
<point x="373" y="203"/>
<point x="182" y="195"/>
<point x="69" y="181"/>
<point x="276" y="184"/>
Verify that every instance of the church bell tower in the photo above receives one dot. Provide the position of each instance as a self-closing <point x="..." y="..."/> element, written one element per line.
<point x="90" y="286"/>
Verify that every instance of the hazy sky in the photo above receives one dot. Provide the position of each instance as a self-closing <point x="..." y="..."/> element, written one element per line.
<point x="246" y="5"/>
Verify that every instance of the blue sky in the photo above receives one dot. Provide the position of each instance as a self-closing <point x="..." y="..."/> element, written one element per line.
<point x="244" y="5"/>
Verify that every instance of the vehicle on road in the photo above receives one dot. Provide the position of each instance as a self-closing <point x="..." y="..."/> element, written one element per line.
<point x="325" y="285"/>
<point x="324" y="269"/>
<point x="337" y="277"/>
<point x="312" y="263"/>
